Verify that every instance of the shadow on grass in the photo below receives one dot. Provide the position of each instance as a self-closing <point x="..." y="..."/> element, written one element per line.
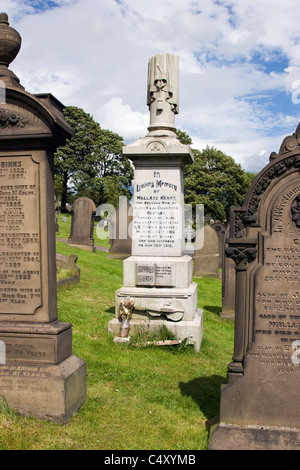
<point x="110" y="309"/>
<point x="212" y="309"/>
<point x="205" y="391"/>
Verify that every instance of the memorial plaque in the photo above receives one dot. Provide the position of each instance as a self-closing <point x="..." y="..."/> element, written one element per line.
<point x="20" y="273"/>
<point x="145" y="275"/>
<point x="160" y="274"/>
<point x="157" y="213"/>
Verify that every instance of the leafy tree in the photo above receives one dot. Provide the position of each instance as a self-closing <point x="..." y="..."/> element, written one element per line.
<point x="110" y="173"/>
<point x="217" y="181"/>
<point x="92" y="160"/>
<point x="78" y="150"/>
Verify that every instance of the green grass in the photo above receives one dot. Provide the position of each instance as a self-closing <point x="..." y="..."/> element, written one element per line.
<point x="138" y="398"/>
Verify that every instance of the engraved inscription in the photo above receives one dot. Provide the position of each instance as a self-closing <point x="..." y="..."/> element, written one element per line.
<point x="161" y="275"/>
<point x="158" y="216"/>
<point x="20" y="271"/>
<point x="277" y="293"/>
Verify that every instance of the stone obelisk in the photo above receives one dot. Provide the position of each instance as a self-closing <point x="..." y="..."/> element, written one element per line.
<point x="158" y="275"/>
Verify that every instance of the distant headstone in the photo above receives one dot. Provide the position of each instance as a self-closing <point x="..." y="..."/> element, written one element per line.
<point x="206" y="259"/>
<point x="82" y="225"/>
<point x="121" y="231"/>
<point x="39" y="375"/>
<point x="228" y="283"/>
<point x="260" y="404"/>
<point x="220" y="229"/>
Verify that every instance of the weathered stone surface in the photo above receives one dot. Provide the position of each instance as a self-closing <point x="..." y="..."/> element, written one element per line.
<point x="206" y="259"/>
<point x="82" y="225"/>
<point x="228" y="283"/>
<point x="263" y="380"/>
<point x="120" y="230"/>
<point x="39" y="376"/>
<point x="220" y="229"/>
<point x="158" y="275"/>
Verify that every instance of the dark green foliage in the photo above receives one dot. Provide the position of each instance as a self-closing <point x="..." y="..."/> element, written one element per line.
<point x="217" y="181"/>
<point x="93" y="160"/>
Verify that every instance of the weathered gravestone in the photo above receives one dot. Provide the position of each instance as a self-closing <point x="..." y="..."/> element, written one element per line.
<point x="40" y="376"/>
<point x="228" y="283"/>
<point x="120" y="229"/>
<point x="206" y="259"/>
<point x="158" y="276"/>
<point x="82" y="225"/>
<point x="220" y="230"/>
<point x="260" y="404"/>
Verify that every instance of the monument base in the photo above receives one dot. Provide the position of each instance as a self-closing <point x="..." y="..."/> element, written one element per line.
<point x="227" y="314"/>
<point x="47" y="392"/>
<point x="192" y="330"/>
<point x="233" y="437"/>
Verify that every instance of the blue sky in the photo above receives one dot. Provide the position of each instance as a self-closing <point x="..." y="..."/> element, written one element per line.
<point x="239" y="65"/>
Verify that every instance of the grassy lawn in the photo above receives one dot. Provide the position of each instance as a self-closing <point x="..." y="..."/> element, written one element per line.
<point x="138" y="398"/>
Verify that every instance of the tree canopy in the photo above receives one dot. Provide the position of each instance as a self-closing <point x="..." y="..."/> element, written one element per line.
<point x="215" y="180"/>
<point x="91" y="161"/>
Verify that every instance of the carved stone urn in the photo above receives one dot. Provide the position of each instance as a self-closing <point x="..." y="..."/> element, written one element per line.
<point x="10" y="41"/>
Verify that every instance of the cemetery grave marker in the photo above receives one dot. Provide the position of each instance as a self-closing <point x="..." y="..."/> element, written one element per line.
<point x="158" y="275"/>
<point x="40" y="376"/>
<point x="260" y="404"/>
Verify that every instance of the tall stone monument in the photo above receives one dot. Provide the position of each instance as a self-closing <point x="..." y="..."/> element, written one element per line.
<point x="158" y="276"/>
<point x="260" y="403"/>
<point x="39" y="375"/>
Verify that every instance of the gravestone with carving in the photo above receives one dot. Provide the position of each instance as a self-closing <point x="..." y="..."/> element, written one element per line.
<point x="40" y="376"/>
<point x="158" y="275"/>
<point x="82" y="225"/>
<point x="260" y="403"/>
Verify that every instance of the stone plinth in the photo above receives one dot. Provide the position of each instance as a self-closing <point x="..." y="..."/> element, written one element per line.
<point x="158" y="275"/>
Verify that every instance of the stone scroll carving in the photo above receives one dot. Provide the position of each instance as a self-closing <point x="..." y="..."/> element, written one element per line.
<point x="162" y="90"/>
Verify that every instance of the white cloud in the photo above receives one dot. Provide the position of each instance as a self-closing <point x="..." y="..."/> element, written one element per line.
<point x="94" y="54"/>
